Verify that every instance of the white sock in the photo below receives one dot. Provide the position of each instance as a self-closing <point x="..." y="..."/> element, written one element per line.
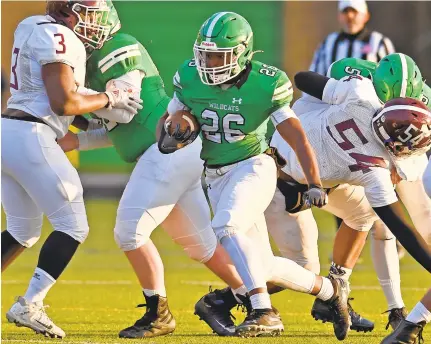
<point x="387" y="266"/>
<point x="419" y="313"/>
<point x="260" y="301"/>
<point x="287" y="274"/>
<point x="152" y="292"/>
<point x="327" y="290"/>
<point x="249" y="265"/>
<point x="340" y="272"/>
<point x="40" y="284"/>
<point x="241" y="291"/>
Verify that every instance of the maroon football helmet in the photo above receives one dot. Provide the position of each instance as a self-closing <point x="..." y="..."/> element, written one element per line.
<point x="403" y="126"/>
<point x="88" y="19"/>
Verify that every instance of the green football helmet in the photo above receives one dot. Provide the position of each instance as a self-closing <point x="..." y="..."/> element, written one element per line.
<point x="397" y="76"/>
<point x="227" y="34"/>
<point x="113" y="19"/>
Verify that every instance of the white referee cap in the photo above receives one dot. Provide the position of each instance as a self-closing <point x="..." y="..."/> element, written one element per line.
<point x="358" y="5"/>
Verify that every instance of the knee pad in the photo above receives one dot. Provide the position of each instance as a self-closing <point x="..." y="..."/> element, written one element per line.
<point x="200" y="246"/>
<point x="25" y="231"/>
<point x="71" y="221"/>
<point x="223" y="224"/>
<point x="133" y="228"/>
<point x="379" y="231"/>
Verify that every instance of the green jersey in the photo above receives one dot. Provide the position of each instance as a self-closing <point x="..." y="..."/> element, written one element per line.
<point x="118" y="56"/>
<point x="353" y="66"/>
<point x="234" y="120"/>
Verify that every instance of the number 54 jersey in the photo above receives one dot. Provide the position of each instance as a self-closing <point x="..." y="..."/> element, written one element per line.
<point x="234" y="121"/>
<point x="39" y="40"/>
<point x="343" y="140"/>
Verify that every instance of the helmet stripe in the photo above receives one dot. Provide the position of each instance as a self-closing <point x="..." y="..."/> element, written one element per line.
<point x="405" y="75"/>
<point x="405" y="107"/>
<point x="213" y="23"/>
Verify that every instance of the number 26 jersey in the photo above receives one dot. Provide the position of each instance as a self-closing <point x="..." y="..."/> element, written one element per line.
<point x="234" y="120"/>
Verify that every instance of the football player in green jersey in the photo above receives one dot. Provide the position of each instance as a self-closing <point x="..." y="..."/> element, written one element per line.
<point x="397" y="75"/>
<point x="162" y="190"/>
<point x="233" y="97"/>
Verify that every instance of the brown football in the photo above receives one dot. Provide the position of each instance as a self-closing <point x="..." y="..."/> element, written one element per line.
<point x="184" y="119"/>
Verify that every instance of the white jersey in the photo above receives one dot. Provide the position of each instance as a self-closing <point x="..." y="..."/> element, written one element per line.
<point x="39" y="41"/>
<point x="343" y="140"/>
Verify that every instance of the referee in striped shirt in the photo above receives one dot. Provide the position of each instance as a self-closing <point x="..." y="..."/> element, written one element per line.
<point x="354" y="40"/>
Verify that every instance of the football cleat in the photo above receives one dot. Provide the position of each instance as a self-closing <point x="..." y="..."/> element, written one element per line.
<point x="321" y="312"/>
<point x="338" y="307"/>
<point x="214" y="308"/>
<point x="259" y="322"/>
<point x="406" y="333"/>
<point x="157" y="320"/>
<point x="396" y="315"/>
<point x="32" y="315"/>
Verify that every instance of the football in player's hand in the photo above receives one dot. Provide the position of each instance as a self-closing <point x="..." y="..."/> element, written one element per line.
<point x="180" y="121"/>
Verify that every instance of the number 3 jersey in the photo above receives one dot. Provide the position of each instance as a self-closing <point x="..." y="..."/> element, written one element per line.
<point x="344" y="143"/>
<point x="234" y="120"/>
<point x="39" y="41"/>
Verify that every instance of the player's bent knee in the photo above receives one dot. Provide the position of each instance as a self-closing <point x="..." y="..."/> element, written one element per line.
<point x="74" y="225"/>
<point x="133" y="228"/>
<point x="223" y="224"/>
<point x="201" y="250"/>
<point x="25" y="231"/>
<point x="381" y="232"/>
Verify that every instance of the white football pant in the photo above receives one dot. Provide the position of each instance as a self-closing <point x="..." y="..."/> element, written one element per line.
<point x="166" y="190"/>
<point x="37" y="179"/>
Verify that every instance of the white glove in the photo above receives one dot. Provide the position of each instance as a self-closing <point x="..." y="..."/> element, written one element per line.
<point x="316" y="196"/>
<point x="122" y="98"/>
<point x="94" y="123"/>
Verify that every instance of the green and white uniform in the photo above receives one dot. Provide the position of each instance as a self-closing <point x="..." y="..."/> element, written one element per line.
<point x="119" y="56"/>
<point x="353" y="66"/>
<point x="163" y="189"/>
<point x="234" y="120"/>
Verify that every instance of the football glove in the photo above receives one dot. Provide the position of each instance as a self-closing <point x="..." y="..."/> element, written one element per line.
<point x="122" y="98"/>
<point x="169" y="143"/>
<point x="315" y="195"/>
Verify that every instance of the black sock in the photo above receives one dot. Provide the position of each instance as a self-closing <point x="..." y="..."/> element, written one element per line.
<point x="9" y="246"/>
<point x="56" y="253"/>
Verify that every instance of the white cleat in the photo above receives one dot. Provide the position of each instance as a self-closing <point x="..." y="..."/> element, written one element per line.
<point x="32" y="315"/>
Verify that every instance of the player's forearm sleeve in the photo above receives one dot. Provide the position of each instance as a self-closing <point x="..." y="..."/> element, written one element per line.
<point x="394" y="218"/>
<point x="311" y="83"/>
<point x="93" y="139"/>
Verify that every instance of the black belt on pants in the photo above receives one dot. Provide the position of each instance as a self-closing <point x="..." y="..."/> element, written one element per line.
<point x="24" y="118"/>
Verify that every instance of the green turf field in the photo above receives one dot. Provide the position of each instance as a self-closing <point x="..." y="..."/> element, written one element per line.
<point x="96" y="296"/>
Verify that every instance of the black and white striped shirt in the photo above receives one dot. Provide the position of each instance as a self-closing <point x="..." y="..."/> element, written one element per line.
<point x="366" y="45"/>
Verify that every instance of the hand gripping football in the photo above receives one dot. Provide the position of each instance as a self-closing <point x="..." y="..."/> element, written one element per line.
<point x="180" y="129"/>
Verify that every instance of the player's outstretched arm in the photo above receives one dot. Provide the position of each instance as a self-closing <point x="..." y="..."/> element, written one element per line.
<point x="393" y="216"/>
<point x="292" y="132"/>
<point x="61" y="90"/>
<point x="65" y="100"/>
<point x="311" y="83"/>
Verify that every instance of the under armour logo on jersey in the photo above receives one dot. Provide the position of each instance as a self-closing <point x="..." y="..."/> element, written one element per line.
<point x="234" y="101"/>
<point x="37" y="276"/>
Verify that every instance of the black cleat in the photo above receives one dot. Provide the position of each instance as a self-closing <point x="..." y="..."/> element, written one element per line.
<point x="396" y="315"/>
<point x="406" y="333"/>
<point x="321" y="312"/>
<point x="157" y="320"/>
<point x="214" y="308"/>
<point x="338" y="308"/>
<point x="259" y="322"/>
